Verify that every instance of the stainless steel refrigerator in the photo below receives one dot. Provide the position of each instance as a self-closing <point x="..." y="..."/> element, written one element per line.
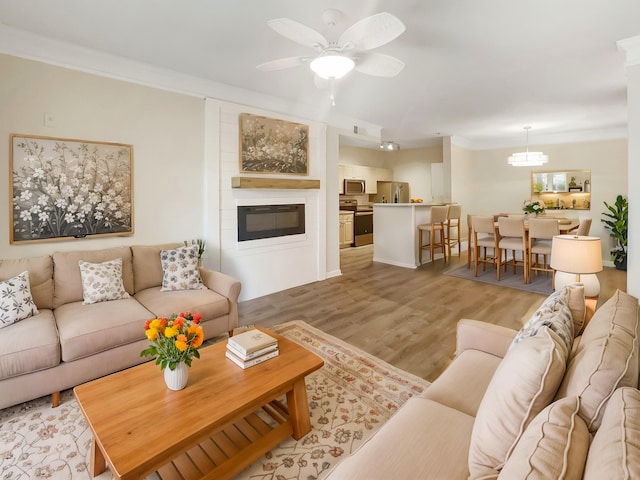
<point x="392" y="192"/>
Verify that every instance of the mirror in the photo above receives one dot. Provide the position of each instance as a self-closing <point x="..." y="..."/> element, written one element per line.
<point x="568" y="189"/>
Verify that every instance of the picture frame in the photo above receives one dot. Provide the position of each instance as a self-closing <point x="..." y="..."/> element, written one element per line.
<point x="66" y="188"/>
<point x="273" y="146"/>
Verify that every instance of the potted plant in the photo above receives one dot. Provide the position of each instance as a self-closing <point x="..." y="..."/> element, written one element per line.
<point x="617" y="222"/>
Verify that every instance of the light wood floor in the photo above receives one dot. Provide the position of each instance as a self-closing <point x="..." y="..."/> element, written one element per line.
<point x="403" y="316"/>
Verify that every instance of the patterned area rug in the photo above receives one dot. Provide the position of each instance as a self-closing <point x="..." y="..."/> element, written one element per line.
<point x="349" y="400"/>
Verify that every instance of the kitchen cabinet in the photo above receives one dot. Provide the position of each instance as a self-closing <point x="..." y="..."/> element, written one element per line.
<point x="371" y="175"/>
<point x="346" y="229"/>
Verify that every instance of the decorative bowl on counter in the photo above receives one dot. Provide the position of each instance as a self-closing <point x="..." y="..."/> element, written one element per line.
<point x="416" y="200"/>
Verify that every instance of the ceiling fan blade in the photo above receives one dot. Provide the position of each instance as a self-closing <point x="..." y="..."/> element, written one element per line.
<point x="281" y="64"/>
<point x="379" y="64"/>
<point x="298" y="33"/>
<point x="372" y="32"/>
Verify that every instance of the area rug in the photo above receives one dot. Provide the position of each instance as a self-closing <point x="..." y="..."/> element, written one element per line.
<point x="538" y="284"/>
<point x="350" y="398"/>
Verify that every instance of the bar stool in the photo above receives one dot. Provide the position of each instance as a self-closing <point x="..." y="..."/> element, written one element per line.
<point x="439" y="216"/>
<point x="484" y="237"/>
<point x="541" y="233"/>
<point x="453" y="222"/>
<point x="512" y="237"/>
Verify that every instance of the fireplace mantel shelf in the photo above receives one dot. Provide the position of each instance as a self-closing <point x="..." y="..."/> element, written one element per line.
<point x="276" y="183"/>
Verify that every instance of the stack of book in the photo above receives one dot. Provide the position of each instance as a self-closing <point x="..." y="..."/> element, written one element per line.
<point x="250" y="348"/>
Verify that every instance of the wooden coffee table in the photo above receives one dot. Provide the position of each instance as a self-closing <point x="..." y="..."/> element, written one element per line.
<point x="211" y="429"/>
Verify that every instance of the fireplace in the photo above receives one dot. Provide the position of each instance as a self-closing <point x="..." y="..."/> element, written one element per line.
<point x="268" y="221"/>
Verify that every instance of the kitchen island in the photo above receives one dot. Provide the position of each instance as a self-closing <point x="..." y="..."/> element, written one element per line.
<point x="396" y="235"/>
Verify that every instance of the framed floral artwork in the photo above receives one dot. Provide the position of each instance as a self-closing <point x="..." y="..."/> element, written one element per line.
<point x="62" y="188"/>
<point x="269" y="145"/>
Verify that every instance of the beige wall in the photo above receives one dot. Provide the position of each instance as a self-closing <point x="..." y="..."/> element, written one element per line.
<point x="165" y="129"/>
<point x="369" y="157"/>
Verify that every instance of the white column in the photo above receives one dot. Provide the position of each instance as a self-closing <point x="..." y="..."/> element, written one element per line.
<point x="631" y="47"/>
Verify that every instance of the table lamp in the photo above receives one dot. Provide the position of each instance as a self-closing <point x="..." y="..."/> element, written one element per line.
<point x="576" y="254"/>
<point x="577" y="259"/>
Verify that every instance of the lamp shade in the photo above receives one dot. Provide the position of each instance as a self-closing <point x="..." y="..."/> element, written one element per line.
<point x="576" y="254"/>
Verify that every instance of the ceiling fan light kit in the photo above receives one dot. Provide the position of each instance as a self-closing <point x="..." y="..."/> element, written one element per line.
<point x="331" y="66"/>
<point x="527" y="159"/>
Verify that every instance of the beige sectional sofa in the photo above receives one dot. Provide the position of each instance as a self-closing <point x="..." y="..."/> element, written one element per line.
<point x="544" y="406"/>
<point x="69" y="342"/>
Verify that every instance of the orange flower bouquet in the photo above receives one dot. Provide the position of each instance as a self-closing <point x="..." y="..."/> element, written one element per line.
<point x="174" y="340"/>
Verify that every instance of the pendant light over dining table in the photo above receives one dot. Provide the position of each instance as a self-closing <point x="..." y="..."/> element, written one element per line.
<point x="527" y="159"/>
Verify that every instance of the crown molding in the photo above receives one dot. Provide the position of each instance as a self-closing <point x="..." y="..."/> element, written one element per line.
<point x="31" y="46"/>
<point x="631" y="48"/>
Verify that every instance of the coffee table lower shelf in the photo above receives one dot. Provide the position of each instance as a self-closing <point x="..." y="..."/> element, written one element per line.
<point x="232" y="449"/>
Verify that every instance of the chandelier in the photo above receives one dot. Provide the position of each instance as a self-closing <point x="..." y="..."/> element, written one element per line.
<point x="527" y="159"/>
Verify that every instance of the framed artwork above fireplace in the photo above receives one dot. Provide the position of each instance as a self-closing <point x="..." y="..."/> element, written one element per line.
<point x="273" y="146"/>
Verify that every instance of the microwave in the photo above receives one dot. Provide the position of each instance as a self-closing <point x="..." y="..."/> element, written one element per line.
<point x="353" y="187"/>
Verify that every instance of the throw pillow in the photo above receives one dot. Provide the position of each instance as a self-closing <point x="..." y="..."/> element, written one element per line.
<point x="180" y="269"/>
<point x="554" y="445"/>
<point x="554" y="313"/>
<point x="102" y="282"/>
<point x="16" y="302"/>
<point x="523" y="384"/>
<point x="605" y="359"/>
<point x="615" y="450"/>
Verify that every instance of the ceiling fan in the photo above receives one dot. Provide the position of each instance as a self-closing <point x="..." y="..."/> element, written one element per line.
<point x="334" y="59"/>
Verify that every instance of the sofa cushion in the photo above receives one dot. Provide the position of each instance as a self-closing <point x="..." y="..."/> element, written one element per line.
<point x="89" y="329"/>
<point x="66" y="272"/>
<point x="423" y="440"/>
<point x="16" y="302"/>
<point x="29" y="345"/>
<point x="615" y="450"/>
<point x="40" y="276"/>
<point x="554" y="445"/>
<point x="147" y="268"/>
<point x="605" y="359"/>
<point x="524" y="383"/>
<point x="180" y="269"/>
<point x="102" y="282"/>
<point x="163" y="304"/>
<point x="462" y="385"/>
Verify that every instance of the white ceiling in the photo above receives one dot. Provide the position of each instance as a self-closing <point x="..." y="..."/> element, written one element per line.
<point x="476" y="70"/>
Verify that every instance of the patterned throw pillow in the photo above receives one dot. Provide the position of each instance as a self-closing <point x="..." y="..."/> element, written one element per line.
<point x="180" y="269"/>
<point x="553" y="313"/>
<point x="16" y="302"/>
<point x="102" y="281"/>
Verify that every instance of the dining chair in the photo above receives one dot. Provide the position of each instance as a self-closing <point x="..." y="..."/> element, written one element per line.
<point x="453" y="223"/>
<point x="541" y="233"/>
<point x="512" y="237"/>
<point x="484" y="237"/>
<point x="439" y="215"/>
<point x="583" y="228"/>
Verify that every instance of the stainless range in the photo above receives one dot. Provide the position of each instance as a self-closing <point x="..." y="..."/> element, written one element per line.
<point x="362" y="221"/>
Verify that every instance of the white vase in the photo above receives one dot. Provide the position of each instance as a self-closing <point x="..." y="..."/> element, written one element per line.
<point x="176" y="379"/>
